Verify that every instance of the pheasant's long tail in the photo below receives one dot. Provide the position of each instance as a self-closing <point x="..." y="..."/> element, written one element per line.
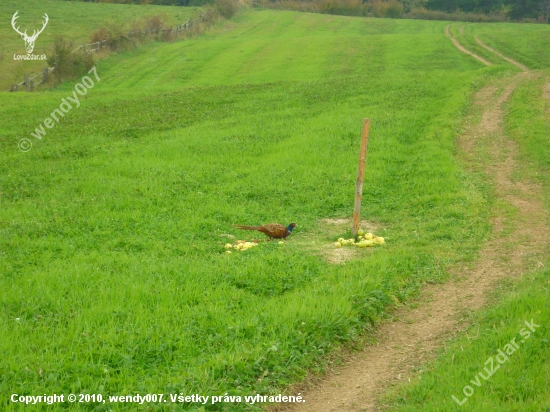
<point x="247" y="227"/>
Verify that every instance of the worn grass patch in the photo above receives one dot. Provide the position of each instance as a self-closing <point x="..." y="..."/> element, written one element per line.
<point x="321" y="238"/>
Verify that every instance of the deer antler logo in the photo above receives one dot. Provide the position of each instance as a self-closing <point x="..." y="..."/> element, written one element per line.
<point x="29" y="40"/>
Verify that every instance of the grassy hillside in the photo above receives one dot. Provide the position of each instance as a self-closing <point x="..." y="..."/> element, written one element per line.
<point x="74" y="20"/>
<point x="295" y="46"/>
<point x="113" y="278"/>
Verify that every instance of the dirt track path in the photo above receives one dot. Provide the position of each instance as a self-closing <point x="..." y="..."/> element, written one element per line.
<point x="516" y="246"/>
<point x="463" y="49"/>
<point x="515" y="63"/>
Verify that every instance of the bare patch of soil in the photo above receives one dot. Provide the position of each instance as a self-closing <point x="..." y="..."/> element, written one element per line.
<point x="337" y="227"/>
<point x="406" y="343"/>
<point x="321" y="239"/>
<point x="340" y="225"/>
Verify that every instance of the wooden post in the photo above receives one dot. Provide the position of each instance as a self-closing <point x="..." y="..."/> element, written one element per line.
<point x="45" y="76"/>
<point x="360" y="174"/>
<point x="57" y="71"/>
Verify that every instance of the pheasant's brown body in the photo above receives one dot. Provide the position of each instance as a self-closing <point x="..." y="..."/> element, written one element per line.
<point x="273" y="230"/>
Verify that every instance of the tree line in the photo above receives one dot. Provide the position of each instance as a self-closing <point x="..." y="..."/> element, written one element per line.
<point x="531" y="10"/>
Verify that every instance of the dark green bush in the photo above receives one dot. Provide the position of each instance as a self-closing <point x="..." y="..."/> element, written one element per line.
<point x="69" y="65"/>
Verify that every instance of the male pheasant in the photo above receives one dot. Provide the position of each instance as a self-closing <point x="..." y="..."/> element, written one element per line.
<point x="273" y="230"/>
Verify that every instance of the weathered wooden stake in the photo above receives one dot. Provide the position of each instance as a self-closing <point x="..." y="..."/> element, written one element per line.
<point x="45" y="75"/>
<point x="360" y="174"/>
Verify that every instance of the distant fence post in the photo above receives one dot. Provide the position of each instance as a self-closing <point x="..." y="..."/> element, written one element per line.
<point x="360" y="174"/>
<point x="56" y="69"/>
<point x="45" y="75"/>
<point x="27" y="81"/>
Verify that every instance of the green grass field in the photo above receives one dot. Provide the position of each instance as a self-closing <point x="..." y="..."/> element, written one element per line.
<point x="112" y="273"/>
<point x="74" y="22"/>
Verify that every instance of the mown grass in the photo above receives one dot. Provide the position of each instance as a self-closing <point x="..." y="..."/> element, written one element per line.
<point x="74" y="20"/>
<point x="113" y="279"/>
<point x="296" y="46"/>
<point x="520" y="383"/>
